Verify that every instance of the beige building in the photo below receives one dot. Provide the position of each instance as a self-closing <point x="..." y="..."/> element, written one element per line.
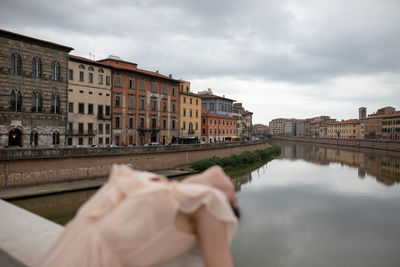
<point x="89" y="103"/>
<point x="343" y="129"/>
<point x="276" y="126"/>
<point x="189" y="114"/>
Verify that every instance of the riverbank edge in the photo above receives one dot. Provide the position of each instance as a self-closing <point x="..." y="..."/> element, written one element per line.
<point x="359" y="143"/>
<point x="63" y="187"/>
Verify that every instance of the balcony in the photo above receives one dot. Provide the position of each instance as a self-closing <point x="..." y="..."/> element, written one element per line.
<point x="77" y="132"/>
<point x="103" y="117"/>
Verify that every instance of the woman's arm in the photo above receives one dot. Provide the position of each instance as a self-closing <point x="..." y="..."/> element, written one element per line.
<point x="213" y="238"/>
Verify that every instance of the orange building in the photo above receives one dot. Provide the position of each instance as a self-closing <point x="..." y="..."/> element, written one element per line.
<point x="216" y="127"/>
<point x="144" y="105"/>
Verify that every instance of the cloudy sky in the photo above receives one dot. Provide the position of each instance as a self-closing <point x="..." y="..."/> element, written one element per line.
<point x="280" y="58"/>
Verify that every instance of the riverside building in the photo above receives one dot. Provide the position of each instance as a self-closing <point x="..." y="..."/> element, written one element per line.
<point x="144" y="105"/>
<point x="189" y="114"/>
<point x="33" y="91"/>
<point x="89" y="103"/>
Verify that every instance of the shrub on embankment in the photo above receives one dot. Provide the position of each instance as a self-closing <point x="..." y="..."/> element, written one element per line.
<point x="235" y="161"/>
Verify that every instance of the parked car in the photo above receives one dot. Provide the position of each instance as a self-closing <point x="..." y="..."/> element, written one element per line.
<point x="154" y="144"/>
<point x="79" y="146"/>
<point x="96" y="146"/>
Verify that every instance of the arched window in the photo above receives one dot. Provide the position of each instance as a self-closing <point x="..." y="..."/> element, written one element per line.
<point x="55" y="104"/>
<point x="36" y="67"/>
<point x="16" y="100"/>
<point x="37" y="102"/>
<point x="55" y="71"/>
<point x="15" y="64"/>
<point x="101" y="70"/>
<point x="34" y="138"/>
<point x="91" y="68"/>
<point x="56" y="138"/>
<point x="82" y="67"/>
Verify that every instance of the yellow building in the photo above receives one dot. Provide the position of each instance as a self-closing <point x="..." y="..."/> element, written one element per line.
<point x="343" y="129"/>
<point x="189" y="114"/>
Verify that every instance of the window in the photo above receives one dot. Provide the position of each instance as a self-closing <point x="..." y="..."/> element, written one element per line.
<point x="56" y="138"/>
<point x="107" y="128"/>
<point x="100" y="78"/>
<point x="100" y="126"/>
<point x="71" y="107"/>
<point x="204" y="131"/>
<point x="55" y="104"/>
<point x="81" y="77"/>
<point x="70" y="74"/>
<point x="101" y="70"/>
<point x="131" y="101"/>
<point x="197" y="113"/>
<point x="90" y="77"/>
<point x="184" y="99"/>
<point x="91" y="68"/>
<point x="164" y="124"/>
<point x="36" y="67"/>
<point x="80" y="141"/>
<point x="70" y="126"/>
<point x="108" y="110"/>
<point x="184" y="112"/>
<point x="141" y="103"/>
<point x="90" y="128"/>
<point x="130" y="139"/>
<point x="107" y="140"/>
<point x="117" y="80"/>
<point x="197" y="126"/>
<point x="173" y="106"/>
<point x="173" y="91"/>
<point x="131" y="83"/>
<point x="153" y="104"/>
<point x="191" y="113"/>
<point x="190" y="101"/>
<point x="197" y="102"/>
<point x="117" y="122"/>
<point x="90" y="108"/>
<point x="153" y="123"/>
<point x="117" y="100"/>
<point x="153" y="86"/>
<point x="55" y="71"/>
<point x="69" y="141"/>
<point x="184" y="126"/>
<point x="37" y="102"/>
<point x="141" y="84"/>
<point x="108" y="80"/>
<point x="164" y="88"/>
<point x="15" y="64"/>
<point x="81" y="108"/>
<point x="100" y="140"/>
<point x="82" y="67"/>
<point x="131" y="122"/>
<point x="173" y="124"/>
<point x="204" y="121"/>
<point x="141" y="122"/>
<point x="90" y="141"/>
<point x="80" y="128"/>
<point x="187" y="88"/>
<point x="164" y="105"/>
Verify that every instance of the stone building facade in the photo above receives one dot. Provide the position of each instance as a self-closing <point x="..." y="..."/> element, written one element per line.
<point x="89" y="103"/>
<point x="216" y="127"/>
<point x="33" y="91"/>
<point x="145" y="105"/>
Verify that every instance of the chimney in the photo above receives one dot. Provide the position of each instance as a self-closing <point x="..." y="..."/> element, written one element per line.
<point x="170" y="75"/>
<point x="209" y="91"/>
<point x="157" y="71"/>
<point x="223" y="96"/>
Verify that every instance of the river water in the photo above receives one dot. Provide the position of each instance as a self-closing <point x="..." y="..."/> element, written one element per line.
<point x="313" y="206"/>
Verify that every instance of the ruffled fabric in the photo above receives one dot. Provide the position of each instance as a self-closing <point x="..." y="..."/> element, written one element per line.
<point x="130" y="221"/>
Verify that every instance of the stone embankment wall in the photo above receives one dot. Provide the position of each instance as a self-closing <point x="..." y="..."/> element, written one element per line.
<point x="23" y="167"/>
<point x="361" y="143"/>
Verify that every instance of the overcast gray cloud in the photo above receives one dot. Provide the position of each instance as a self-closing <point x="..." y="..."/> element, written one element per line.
<point x="280" y="58"/>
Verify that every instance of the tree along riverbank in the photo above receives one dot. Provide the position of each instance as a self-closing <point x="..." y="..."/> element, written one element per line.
<point x="238" y="161"/>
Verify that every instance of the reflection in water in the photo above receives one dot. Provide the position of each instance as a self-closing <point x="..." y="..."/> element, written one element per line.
<point x="59" y="208"/>
<point x="307" y="208"/>
<point x="385" y="169"/>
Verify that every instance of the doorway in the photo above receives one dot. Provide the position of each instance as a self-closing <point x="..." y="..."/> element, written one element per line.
<point x="15" y="138"/>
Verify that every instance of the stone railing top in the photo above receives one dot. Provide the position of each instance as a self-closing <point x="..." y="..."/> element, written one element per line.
<point x="41" y="153"/>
